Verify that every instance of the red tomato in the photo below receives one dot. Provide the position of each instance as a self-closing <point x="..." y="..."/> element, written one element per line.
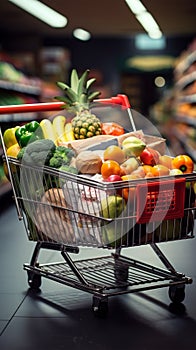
<point x="112" y="129"/>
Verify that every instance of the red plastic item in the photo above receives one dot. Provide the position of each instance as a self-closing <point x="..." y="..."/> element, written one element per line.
<point x="120" y="99"/>
<point x="56" y="106"/>
<point x="161" y="200"/>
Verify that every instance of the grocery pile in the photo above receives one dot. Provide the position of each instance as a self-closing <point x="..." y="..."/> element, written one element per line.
<point x="69" y="147"/>
<point x="53" y="142"/>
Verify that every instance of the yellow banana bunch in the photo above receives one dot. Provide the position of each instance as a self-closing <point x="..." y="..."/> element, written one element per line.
<point x="69" y="132"/>
<point x="59" y="128"/>
<point x="48" y="130"/>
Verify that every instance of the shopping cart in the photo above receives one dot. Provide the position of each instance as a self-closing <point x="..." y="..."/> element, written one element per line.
<point x="63" y="212"/>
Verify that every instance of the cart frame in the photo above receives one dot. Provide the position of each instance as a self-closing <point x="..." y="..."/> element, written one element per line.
<point x="105" y="276"/>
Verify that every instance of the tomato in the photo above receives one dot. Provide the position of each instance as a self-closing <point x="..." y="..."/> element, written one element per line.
<point x="112" y="129"/>
<point x="110" y="167"/>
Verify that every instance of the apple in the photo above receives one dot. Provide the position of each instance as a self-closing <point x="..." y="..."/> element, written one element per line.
<point x="113" y="178"/>
<point x="175" y="172"/>
<point x="149" y="156"/>
<point x="166" y="161"/>
<point x="129" y="165"/>
<point x="112" y="206"/>
<point x="133" y="146"/>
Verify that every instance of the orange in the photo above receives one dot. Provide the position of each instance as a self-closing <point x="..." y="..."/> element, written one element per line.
<point x="128" y="193"/>
<point x="161" y="170"/>
<point x="149" y="170"/>
<point x="114" y="152"/>
<point x="110" y="167"/>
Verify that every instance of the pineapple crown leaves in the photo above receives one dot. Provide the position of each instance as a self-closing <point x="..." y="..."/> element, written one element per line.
<point x="77" y="96"/>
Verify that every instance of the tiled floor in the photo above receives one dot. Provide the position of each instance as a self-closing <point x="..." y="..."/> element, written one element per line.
<point x="60" y="317"/>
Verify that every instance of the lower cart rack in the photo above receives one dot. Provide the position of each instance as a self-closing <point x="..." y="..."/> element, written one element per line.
<point x="107" y="276"/>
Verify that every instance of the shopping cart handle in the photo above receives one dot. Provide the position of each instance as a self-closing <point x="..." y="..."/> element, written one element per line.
<point x="120" y="99"/>
<point x="56" y="106"/>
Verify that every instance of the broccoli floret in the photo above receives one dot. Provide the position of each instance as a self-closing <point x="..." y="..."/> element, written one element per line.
<point x="68" y="169"/>
<point x="38" y="152"/>
<point x="61" y="156"/>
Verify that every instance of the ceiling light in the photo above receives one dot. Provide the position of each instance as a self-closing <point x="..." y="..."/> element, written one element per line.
<point x="135" y="6"/>
<point x="159" y="82"/>
<point x="147" y="21"/>
<point x="145" y="18"/>
<point x="155" y="34"/>
<point x="43" y="12"/>
<point x="81" y="34"/>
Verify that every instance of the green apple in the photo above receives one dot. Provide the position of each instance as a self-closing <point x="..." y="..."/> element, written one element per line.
<point x="112" y="206"/>
<point x="133" y="146"/>
<point x="130" y="165"/>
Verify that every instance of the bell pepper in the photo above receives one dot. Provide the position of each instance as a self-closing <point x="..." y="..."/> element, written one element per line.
<point x="9" y="137"/>
<point x="184" y="163"/>
<point x="28" y="133"/>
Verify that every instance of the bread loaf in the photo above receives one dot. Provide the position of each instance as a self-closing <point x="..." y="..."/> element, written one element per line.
<point x="53" y="218"/>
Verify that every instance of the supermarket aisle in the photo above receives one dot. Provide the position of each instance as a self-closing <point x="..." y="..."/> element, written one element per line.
<point x="59" y="317"/>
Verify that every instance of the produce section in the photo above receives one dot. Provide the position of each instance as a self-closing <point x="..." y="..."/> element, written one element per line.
<point x="176" y="113"/>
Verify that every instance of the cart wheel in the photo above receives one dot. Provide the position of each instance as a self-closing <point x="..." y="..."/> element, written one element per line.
<point x="34" y="280"/>
<point x="121" y="273"/>
<point x="177" y="293"/>
<point x="100" y="306"/>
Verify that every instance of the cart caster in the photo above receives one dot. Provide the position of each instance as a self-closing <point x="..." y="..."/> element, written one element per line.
<point x="100" y="306"/>
<point x="177" y="293"/>
<point x="34" y="280"/>
<point x="121" y="273"/>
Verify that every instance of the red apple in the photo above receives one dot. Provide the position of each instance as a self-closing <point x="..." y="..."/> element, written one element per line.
<point x="149" y="156"/>
<point x="113" y="178"/>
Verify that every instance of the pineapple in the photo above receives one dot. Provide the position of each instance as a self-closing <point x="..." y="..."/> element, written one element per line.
<point x="77" y="98"/>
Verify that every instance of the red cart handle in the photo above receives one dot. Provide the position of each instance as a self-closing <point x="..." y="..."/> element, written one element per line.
<point x="119" y="100"/>
<point x="56" y="106"/>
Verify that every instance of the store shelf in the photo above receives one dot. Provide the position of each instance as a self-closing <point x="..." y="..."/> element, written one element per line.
<point x="5" y="118"/>
<point x="19" y="87"/>
<point x="186" y="80"/>
<point x="183" y="65"/>
<point x="187" y="145"/>
<point x="186" y="119"/>
<point x="187" y="99"/>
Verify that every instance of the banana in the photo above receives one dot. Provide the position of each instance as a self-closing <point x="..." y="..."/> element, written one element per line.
<point x="59" y="128"/>
<point x="69" y="132"/>
<point x="48" y="130"/>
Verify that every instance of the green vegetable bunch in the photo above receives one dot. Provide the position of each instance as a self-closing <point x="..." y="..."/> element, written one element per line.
<point x="62" y="156"/>
<point x="38" y="152"/>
